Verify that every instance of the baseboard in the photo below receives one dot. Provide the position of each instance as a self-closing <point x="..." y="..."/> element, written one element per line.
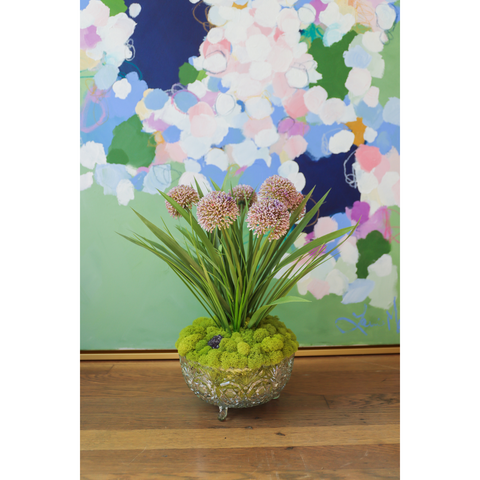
<point x="302" y="352"/>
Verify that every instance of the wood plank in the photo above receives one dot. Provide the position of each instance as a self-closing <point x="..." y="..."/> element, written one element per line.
<point x="211" y="462"/>
<point x="133" y="413"/>
<point x="337" y="419"/>
<point x="350" y="474"/>
<point x="301" y="352"/>
<point x="173" y="385"/>
<point x="191" y="438"/>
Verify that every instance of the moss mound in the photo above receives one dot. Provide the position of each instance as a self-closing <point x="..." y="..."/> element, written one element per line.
<point x="268" y="344"/>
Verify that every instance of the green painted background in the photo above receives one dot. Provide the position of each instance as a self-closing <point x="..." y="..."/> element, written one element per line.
<point x="132" y="300"/>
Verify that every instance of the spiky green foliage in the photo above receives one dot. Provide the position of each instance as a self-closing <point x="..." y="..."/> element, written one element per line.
<point x="232" y="272"/>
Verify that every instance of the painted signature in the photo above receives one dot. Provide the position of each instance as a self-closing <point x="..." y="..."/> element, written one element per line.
<point x="363" y="323"/>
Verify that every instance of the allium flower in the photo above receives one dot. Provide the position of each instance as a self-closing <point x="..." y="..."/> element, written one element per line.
<point x="185" y="196"/>
<point x="217" y="209"/>
<point x="269" y="214"/>
<point x="244" y="193"/>
<point x="296" y="204"/>
<point x="280" y="188"/>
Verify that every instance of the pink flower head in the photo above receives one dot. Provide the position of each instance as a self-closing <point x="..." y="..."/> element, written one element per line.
<point x="296" y="204"/>
<point x="244" y="193"/>
<point x="269" y="214"/>
<point x="281" y="189"/>
<point x="217" y="209"/>
<point x="185" y="196"/>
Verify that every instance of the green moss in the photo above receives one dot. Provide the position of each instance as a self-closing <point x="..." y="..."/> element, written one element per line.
<point x="269" y="344"/>
<point x="228" y="345"/>
<point x="188" y="343"/>
<point x="271" y="329"/>
<point x="260" y="334"/>
<point x="243" y="348"/>
<point x="201" y="344"/>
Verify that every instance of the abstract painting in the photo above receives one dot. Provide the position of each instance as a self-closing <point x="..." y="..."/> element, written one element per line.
<point x="174" y="92"/>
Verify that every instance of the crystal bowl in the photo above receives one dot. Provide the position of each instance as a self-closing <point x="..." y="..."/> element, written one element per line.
<point x="236" y="388"/>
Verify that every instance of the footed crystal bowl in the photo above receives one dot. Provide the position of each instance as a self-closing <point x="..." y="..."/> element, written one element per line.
<point x="236" y="388"/>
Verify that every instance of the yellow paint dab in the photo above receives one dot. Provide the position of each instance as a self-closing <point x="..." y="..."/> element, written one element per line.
<point x="159" y="137"/>
<point x="358" y="129"/>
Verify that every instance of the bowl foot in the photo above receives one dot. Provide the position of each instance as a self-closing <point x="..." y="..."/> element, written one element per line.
<point x="222" y="413"/>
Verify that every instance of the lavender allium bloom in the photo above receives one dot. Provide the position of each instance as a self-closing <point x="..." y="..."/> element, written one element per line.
<point x="217" y="209"/>
<point x="280" y="188"/>
<point x="296" y="204"/>
<point x="269" y="214"/>
<point x="185" y="196"/>
<point x="244" y="193"/>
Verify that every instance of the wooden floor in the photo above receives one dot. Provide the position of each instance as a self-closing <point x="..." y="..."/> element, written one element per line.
<point x="337" y="419"/>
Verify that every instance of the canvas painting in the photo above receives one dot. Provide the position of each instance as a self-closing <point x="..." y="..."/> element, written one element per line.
<point x="185" y="91"/>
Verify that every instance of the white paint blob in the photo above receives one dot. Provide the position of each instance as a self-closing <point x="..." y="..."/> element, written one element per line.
<point x="225" y="104"/>
<point x="258" y="108"/>
<point x="341" y="142"/>
<point x="385" y="16"/>
<point x="215" y="63"/>
<point x="260" y="70"/>
<point x="125" y="191"/>
<point x="92" y="153"/>
<point x="297" y="77"/>
<point x="314" y="99"/>
<point x="370" y="135"/>
<point x="358" y="81"/>
<point x="371" y="41"/>
<point x="217" y="157"/>
<point x="382" y="267"/>
<point x="86" y="180"/>
<point x="371" y="97"/>
<point x="267" y="137"/>
<point x="331" y="111"/>
<point x="134" y="9"/>
<point x="122" y="88"/>
<point x="307" y="14"/>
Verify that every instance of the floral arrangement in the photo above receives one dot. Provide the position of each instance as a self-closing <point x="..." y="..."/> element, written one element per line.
<point x="235" y="260"/>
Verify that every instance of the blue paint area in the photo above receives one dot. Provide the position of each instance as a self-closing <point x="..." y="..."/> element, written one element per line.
<point x="278" y="114"/>
<point x="388" y="137"/>
<point x="159" y="177"/>
<point x="108" y="176"/>
<point x="318" y="138"/>
<point x="242" y="105"/>
<point x="313" y="119"/>
<point x="212" y="172"/>
<point x="391" y="112"/>
<point x="215" y="85"/>
<point x="166" y="35"/>
<point x="156" y="100"/>
<point x="106" y="77"/>
<point x="357" y="57"/>
<point x="346" y="325"/>
<point x="185" y="100"/>
<point x="137" y="180"/>
<point x="371" y="116"/>
<point x="328" y="173"/>
<point x="300" y="3"/>
<point x="233" y="136"/>
<point x="126" y="108"/>
<point x="83" y="4"/>
<point x="103" y="133"/>
<point x="172" y="134"/>
<point x="358" y="291"/>
<point x="256" y="174"/>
